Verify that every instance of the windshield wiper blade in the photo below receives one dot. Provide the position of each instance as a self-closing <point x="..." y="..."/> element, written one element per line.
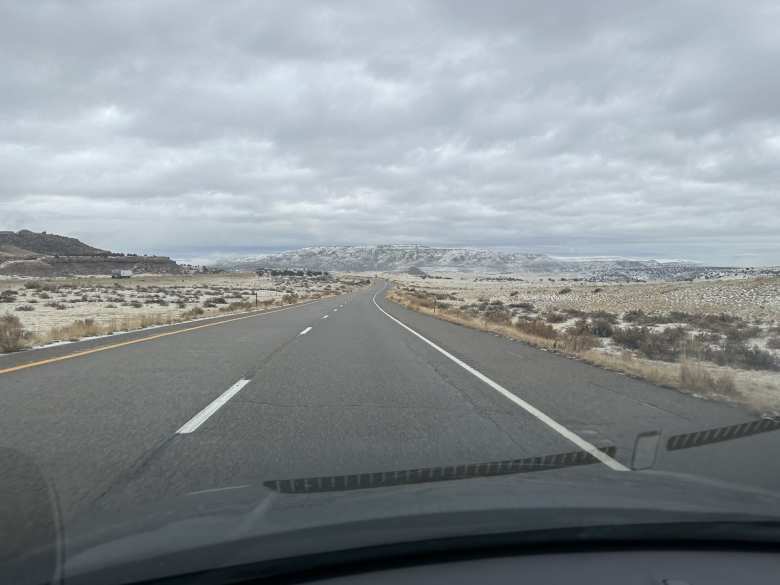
<point x="721" y="434"/>
<point x="359" y="481"/>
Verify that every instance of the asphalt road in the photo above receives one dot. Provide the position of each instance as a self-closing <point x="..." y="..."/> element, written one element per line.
<point x="350" y="384"/>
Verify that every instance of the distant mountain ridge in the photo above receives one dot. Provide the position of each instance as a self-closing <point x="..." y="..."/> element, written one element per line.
<point x="397" y="258"/>
<point x="390" y="258"/>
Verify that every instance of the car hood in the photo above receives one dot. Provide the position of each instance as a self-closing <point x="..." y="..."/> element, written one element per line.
<point x="236" y="525"/>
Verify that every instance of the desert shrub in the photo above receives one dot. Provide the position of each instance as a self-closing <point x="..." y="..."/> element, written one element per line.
<point x="601" y="328"/>
<point x="238" y="306"/>
<point x="44" y="295"/>
<point x="192" y="313"/>
<point x="666" y="345"/>
<point x="12" y="334"/>
<point x="580" y="342"/>
<point x="209" y="304"/>
<point x="573" y="312"/>
<point x="25" y="308"/>
<point x="743" y="334"/>
<point x="181" y="305"/>
<point x="8" y="296"/>
<point x="554" y="317"/>
<point x="580" y="327"/>
<point x="417" y="298"/>
<point x="290" y="297"/>
<point x="56" y="305"/>
<point x="708" y="337"/>
<point x="735" y="328"/>
<point x="564" y="291"/>
<point x="598" y="290"/>
<point x="149" y="320"/>
<point x="773" y="343"/>
<point x="631" y="337"/>
<point x="497" y="314"/>
<point x="136" y="304"/>
<point x="676" y="317"/>
<point x="452" y="297"/>
<point x="537" y="327"/>
<point x="739" y="355"/>
<point x="514" y="293"/>
<point x="604" y="315"/>
<point x="110" y="306"/>
<point x="32" y="285"/>
<point x="524" y="305"/>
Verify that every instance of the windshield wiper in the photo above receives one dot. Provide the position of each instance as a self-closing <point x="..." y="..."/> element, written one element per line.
<point x="359" y="481"/>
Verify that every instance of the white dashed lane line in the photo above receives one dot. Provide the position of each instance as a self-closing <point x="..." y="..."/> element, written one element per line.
<point x="324" y="316"/>
<point x="305" y="331"/>
<point x="206" y="413"/>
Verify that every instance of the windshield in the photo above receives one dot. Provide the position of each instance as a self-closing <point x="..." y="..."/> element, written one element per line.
<point x="277" y="270"/>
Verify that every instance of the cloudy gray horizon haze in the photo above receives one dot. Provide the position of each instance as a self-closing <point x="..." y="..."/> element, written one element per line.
<point x="587" y="128"/>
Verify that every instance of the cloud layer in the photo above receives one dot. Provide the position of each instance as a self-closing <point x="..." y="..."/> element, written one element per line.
<point x="651" y="128"/>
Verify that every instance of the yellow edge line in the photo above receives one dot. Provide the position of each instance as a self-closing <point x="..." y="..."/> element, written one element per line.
<point x="70" y="356"/>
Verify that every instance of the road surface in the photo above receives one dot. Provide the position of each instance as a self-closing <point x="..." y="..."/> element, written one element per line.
<point x="349" y="384"/>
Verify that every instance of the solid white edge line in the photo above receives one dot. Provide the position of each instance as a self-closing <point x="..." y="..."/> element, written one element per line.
<point x="305" y="331"/>
<point x="197" y="420"/>
<point x="529" y="408"/>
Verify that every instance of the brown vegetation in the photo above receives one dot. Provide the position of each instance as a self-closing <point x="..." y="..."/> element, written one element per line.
<point x="670" y="357"/>
<point x="12" y="334"/>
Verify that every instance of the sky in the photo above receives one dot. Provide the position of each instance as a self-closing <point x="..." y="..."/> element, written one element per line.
<point x="586" y="128"/>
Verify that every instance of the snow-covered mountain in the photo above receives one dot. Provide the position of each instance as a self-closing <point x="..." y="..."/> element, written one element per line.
<point x="403" y="257"/>
<point x="392" y="258"/>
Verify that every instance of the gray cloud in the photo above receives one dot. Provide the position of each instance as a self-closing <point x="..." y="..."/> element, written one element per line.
<point x="606" y="127"/>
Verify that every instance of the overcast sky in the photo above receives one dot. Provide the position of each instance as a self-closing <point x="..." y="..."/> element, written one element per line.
<point x="575" y="127"/>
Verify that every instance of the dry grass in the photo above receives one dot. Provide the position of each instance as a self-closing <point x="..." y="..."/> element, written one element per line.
<point x="694" y="376"/>
<point x="12" y="334"/>
<point x="82" y="328"/>
<point x="70" y="308"/>
<point x="758" y="391"/>
<point x="748" y="298"/>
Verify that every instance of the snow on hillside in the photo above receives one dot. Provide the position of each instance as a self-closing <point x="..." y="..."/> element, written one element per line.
<point x="394" y="258"/>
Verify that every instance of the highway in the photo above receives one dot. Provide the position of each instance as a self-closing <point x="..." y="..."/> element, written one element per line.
<point x="344" y="385"/>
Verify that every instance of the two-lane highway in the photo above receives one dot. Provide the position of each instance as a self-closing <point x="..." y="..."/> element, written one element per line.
<point x="350" y="384"/>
